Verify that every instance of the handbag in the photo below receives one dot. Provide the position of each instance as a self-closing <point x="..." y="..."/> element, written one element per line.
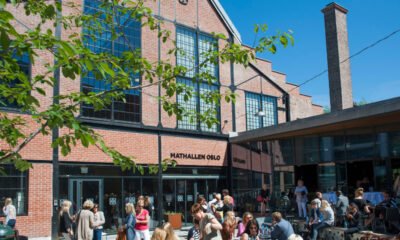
<point x="259" y="198"/>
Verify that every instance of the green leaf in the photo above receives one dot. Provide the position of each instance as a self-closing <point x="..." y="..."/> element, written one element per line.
<point x="283" y="40"/>
<point x="5" y="40"/>
<point x="256" y="28"/>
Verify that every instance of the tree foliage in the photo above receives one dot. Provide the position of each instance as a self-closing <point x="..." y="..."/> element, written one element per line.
<point x="75" y="60"/>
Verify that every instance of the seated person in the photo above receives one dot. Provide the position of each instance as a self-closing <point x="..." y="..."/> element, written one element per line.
<point x="194" y="232"/>
<point x="328" y="219"/>
<point x="315" y="216"/>
<point x="281" y="229"/>
<point x="353" y="220"/>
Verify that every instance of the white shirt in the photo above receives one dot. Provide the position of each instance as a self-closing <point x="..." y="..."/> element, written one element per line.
<point x="99" y="220"/>
<point x="10" y="212"/>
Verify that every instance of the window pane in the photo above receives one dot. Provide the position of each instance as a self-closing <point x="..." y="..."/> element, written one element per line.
<point x="204" y="107"/>
<point x="14" y="185"/>
<point x="252" y="108"/>
<point x="186" y="43"/>
<point x="361" y="146"/>
<point x="188" y="122"/>
<point x="207" y="44"/>
<point x="269" y="108"/>
<point x="128" y="31"/>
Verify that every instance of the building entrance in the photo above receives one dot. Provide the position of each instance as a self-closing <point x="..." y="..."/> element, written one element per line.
<point x="181" y="194"/>
<point x="80" y="190"/>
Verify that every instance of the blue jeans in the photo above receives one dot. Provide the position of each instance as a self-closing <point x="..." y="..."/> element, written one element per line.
<point x="316" y="227"/>
<point x="11" y="223"/>
<point x="97" y="234"/>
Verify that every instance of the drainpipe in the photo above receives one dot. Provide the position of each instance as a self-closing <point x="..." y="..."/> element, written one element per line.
<point x="54" y="136"/>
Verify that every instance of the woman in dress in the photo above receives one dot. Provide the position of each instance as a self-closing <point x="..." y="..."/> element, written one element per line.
<point x="99" y="220"/>
<point x="242" y="225"/>
<point x="265" y="198"/>
<point x="85" y="222"/>
<point x="130" y="222"/>
<point x="252" y="231"/>
<point x="10" y="212"/>
<point x="66" y="221"/>
<point x="142" y="222"/>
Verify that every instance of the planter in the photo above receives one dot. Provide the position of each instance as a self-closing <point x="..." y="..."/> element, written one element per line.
<point x="175" y="219"/>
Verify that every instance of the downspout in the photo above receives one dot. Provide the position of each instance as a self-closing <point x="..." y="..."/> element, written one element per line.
<point x="55" y="135"/>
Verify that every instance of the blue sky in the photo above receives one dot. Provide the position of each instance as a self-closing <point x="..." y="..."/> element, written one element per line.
<point x="375" y="73"/>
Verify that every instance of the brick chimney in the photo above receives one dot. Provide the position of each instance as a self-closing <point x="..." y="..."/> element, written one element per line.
<point x="337" y="48"/>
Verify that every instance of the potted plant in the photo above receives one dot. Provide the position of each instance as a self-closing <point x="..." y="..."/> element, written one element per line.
<point x="174" y="218"/>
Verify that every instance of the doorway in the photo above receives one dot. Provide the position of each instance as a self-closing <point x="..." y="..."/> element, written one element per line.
<point x="309" y="174"/>
<point x="360" y="174"/>
<point x="181" y="194"/>
<point x="80" y="190"/>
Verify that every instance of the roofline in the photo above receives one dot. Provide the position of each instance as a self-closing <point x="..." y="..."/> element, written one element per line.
<point x="351" y="114"/>
<point x="317" y="105"/>
<point x="225" y="17"/>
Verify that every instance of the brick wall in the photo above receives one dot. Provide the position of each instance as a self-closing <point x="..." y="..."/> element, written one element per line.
<point x="37" y="223"/>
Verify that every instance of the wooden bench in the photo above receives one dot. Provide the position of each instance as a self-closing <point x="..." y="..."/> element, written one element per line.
<point x="331" y="233"/>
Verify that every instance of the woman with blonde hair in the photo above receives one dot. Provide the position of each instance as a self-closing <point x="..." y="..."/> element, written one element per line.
<point x="66" y="220"/>
<point x="228" y="206"/>
<point x="130" y="221"/>
<point x="10" y="212"/>
<point x="360" y="201"/>
<point x="228" y="226"/>
<point x="247" y="216"/>
<point x="85" y="222"/>
<point x="170" y="232"/>
<point x="328" y="219"/>
<point x="99" y="220"/>
<point x="159" y="234"/>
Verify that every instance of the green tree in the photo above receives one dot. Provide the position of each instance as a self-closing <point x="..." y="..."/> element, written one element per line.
<point x="74" y="59"/>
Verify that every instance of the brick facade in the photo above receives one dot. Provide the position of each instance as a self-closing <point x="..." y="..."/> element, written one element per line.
<point x="200" y="15"/>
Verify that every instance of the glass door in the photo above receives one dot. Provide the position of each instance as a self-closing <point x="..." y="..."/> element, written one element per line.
<point x="80" y="190"/>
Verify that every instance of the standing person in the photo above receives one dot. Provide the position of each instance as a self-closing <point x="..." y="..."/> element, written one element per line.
<point x="142" y="222"/>
<point x="194" y="232"/>
<point x="228" y="226"/>
<point x="130" y="221"/>
<point x="209" y="226"/>
<point x="85" y="222"/>
<point x="99" y="220"/>
<point x="264" y="193"/>
<point x="10" y="212"/>
<point x="147" y="205"/>
<point x="247" y="216"/>
<point x="202" y="201"/>
<point x="328" y="219"/>
<point x="227" y="205"/>
<point x="301" y="198"/>
<point x="252" y="231"/>
<point x="218" y="204"/>
<point x="360" y="201"/>
<point x="170" y="231"/>
<point x="225" y="192"/>
<point x="281" y="229"/>
<point x="342" y="204"/>
<point x="66" y="221"/>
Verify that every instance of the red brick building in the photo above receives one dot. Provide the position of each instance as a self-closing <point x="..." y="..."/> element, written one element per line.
<point x="206" y="162"/>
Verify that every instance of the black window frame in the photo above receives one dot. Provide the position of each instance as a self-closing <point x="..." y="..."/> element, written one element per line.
<point x="260" y="102"/>
<point x="198" y="83"/>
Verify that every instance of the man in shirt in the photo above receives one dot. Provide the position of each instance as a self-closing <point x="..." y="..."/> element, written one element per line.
<point x="342" y="204"/>
<point x="281" y="229"/>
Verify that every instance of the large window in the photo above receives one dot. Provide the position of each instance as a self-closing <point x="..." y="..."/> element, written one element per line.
<point x="24" y="64"/>
<point x="261" y="111"/>
<point x="14" y="185"/>
<point x="100" y="41"/>
<point x="193" y="47"/>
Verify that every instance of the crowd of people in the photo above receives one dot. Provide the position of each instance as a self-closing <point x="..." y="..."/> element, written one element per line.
<point x="353" y="215"/>
<point x="87" y="223"/>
